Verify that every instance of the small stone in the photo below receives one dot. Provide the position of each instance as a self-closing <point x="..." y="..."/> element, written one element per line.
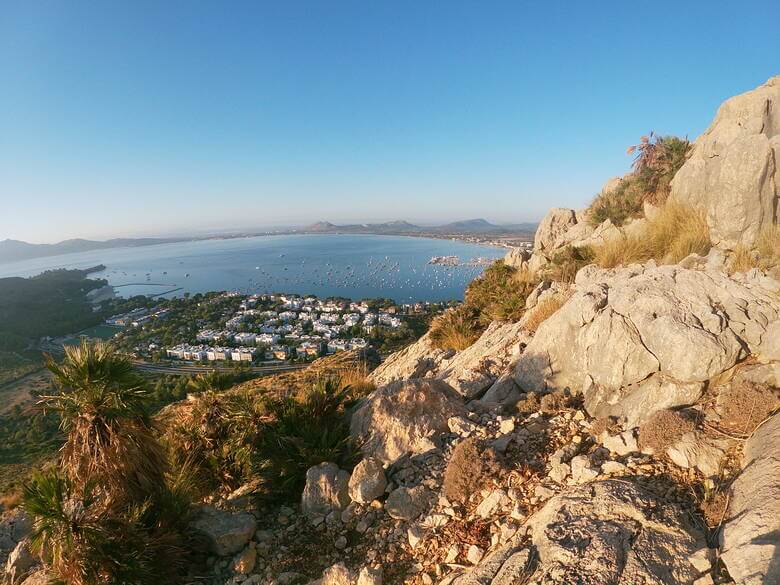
<point x="543" y="492"/>
<point x="414" y="534"/>
<point x="369" y="576"/>
<point x="559" y="472"/>
<point x="506" y="426"/>
<point x="474" y="554"/>
<point x="613" y="467"/>
<point x="406" y="503"/>
<point x="340" y="543"/>
<point x="581" y="470"/>
<point x="368" y="481"/>
<point x="244" y="562"/>
<point x="492" y="503"/>
<point x="452" y="554"/>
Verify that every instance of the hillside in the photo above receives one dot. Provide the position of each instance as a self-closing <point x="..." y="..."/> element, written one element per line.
<point x="603" y="410"/>
<point x="16" y="250"/>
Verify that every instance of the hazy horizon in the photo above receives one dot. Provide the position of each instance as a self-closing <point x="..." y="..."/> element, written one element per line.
<point x="137" y="120"/>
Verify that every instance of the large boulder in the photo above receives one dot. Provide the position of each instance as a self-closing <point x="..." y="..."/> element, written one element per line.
<point x="327" y="489"/>
<point x="651" y="334"/>
<point x="368" y="481"/>
<point x="404" y="417"/>
<point x="601" y="533"/>
<point x="733" y="172"/>
<point x="613" y="533"/>
<point x="472" y="371"/>
<point x="750" y="539"/>
<point x="20" y="562"/>
<point x="556" y="223"/>
<point x="414" y="361"/>
<point x="226" y="532"/>
<point x="14" y="527"/>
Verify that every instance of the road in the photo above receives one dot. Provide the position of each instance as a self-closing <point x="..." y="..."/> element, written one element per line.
<point x="192" y="370"/>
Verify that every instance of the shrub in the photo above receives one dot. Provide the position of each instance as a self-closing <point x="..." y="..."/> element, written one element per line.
<point x="664" y="429"/>
<point x="675" y="232"/>
<point x="618" y="205"/>
<point x="529" y="404"/>
<point x="304" y="432"/>
<point x="544" y="309"/>
<point x="567" y="261"/>
<point x="457" y="328"/>
<point x="657" y="159"/>
<point x="472" y="466"/>
<point x="499" y="293"/>
<point x="742" y="259"/>
<point x="745" y="405"/>
<point x="556" y="402"/>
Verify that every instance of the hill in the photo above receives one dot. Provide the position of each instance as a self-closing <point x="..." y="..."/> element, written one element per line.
<point x="16" y="250"/>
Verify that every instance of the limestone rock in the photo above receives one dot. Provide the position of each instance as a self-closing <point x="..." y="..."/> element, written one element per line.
<point x="695" y="450"/>
<point x="226" y="532"/>
<point x="517" y="258"/>
<point x="38" y="578"/>
<point x="244" y="562"/>
<point x="14" y="526"/>
<point x="402" y="418"/>
<point x="407" y="503"/>
<point x="611" y="532"/>
<point x="556" y="223"/>
<point x="338" y="574"/>
<point x="326" y="490"/>
<point x="369" y="576"/>
<point x="367" y="482"/>
<point x="19" y="562"/>
<point x="472" y="371"/>
<point x="732" y="172"/>
<point x="750" y="539"/>
<point x="652" y="335"/>
<point x="415" y="361"/>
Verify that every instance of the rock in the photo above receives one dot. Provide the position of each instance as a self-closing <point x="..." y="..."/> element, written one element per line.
<point x="367" y="482"/>
<point x="337" y="575"/>
<point x="403" y="417"/>
<point x="650" y="334"/>
<point x="750" y="538"/>
<point x="696" y="450"/>
<point x="14" y="526"/>
<point x="475" y="369"/>
<point x="244" y="562"/>
<point x="582" y="470"/>
<point x="340" y="543"/>
<point x="492" y="503"/>
<point x="327" y="490"/>
<point x="621" y="444"/>
<point x="406" y="503"/>
<point x="19" y="562"/>
<point x="370" y="576"/>
<point x="415" y="361"/>
<point x="613" y="468"/>
<point x="612" y="532"/>
<point x="732" y="171"/>
<point x="559" y="472"/>
<point x="506" y="426"/>
<point x="226" y="532"/>
<point x="38" y="578"/>
<point x="474" y="554"/>
<point x="555" y="224"/>
<point x="517" y="258"/>
<point x="503" y="391"/>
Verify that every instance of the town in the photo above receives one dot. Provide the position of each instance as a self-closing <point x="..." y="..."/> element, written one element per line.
<point x="250" y="329"/>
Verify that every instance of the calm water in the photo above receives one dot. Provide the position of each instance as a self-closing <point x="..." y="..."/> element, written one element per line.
<point x="354" y="266"/>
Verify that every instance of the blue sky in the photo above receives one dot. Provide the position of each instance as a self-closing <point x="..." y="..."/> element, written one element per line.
<point x="141" y="118"/>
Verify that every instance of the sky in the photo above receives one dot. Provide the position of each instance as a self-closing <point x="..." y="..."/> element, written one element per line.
<point x="177" y="117"/>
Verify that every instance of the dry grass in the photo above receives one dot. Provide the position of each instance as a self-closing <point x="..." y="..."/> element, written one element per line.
<point x="713" y="508"/>
<point x="456" y="329"/>
<point x="10" y="500"/>
<point x="664" y="429"/>
<point x="742" y="260"/>
<point x="470" y="469"/>
<point x="745" y="405"/>
<point x="676" y="232"/>
<point x="544" y="310"/>
<point x="765" y="255"/>
<point x="768" y="246"/>
<point x="604" y="424"/>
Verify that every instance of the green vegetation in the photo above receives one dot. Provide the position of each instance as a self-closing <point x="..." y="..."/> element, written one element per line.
<point x="499" y="293"/>
<point x="53" y="303"/>
<point x="456" y="329"/>
<point x="657" y="159"/>
<point x="568" y="260"/>
<point x="111" y="511"/>
<point x="232" y="438"/>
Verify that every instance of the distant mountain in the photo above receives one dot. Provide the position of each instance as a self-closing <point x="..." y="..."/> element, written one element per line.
<point x="469" y="226"/>
<point x="15" y="250"/>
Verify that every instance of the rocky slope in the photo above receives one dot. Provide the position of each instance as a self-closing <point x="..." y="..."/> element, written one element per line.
<point x="632" y="437"/>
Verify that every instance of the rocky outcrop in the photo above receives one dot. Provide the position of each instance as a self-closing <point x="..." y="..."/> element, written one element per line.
<point x="14" y="527"/>
<point x="750" y="539"/>
<point x="469" y="372"/>
<point x="650" y="334"/>
<point x="612" y="532"/>
<point x="404" y="417"/>
<point x="20" y="562"/>
<point x="733" y="171"/>
<point x="415" y="361"/>
<point x="472" y="371"/>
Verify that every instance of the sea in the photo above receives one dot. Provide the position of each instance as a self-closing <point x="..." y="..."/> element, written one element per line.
<point x="352" y="266"/>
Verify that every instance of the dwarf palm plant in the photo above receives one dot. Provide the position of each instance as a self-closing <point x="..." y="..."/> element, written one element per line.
<point x="110" y="439"/>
